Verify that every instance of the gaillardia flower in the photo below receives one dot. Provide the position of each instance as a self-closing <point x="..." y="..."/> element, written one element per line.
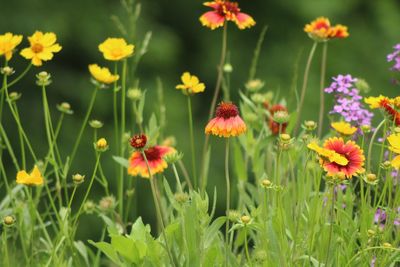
<point x="115" y="49"/>
<point x="155" y="157"/>
<point x="344" y="128"/>
<point x="190" y="84"/>
<point x="336" y="157"/>
<point x="388" y="104"/>
<point x="42" y="47"/>
<point x="227" y="122"/>
<point x="138" y="141"/>
<point x="102" y="75"/>
<point x="273" y="125"/>
<point x="34" y="178"/>
<point x="8" y="42"/>
<point x="224" y="10"/>
<point x="321" y="30"/>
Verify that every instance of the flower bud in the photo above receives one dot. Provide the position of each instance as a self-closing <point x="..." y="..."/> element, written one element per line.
<point x="227" y="68"/>
<point x="310" y="125"/>
<point x="371" y="232"/>
<point x="9" y="220"/>
<point x="281" y="117"/>
<point x="101" y="145"/>
<point x="258" y="98"/>
<point x="89" y="207"/>
<point x="233" y="215"/>
<point x="78" y="178"/>
<point x="285" y="138"/>
<point x="365" y="128"/>
<point x="245" y="219"/>
<point x="362" y="85"/>
<point x="65" y="107"/>
<point x="181" y="197"/>
<point x="138" y="141"/>
<point x="7" y="71"/>
<point x="173" y="157"/>
<point x="134" y="94"/>
<point x="107" y="203"/>
<point x="371" y="177"/>
<point x="43" y="78"/>
<point x="254" y="85"/>
<point x="14" y="96"/>
<point x="266" y="183"/>
<point x="387" y="245"/>
<point x="96" y="124"/>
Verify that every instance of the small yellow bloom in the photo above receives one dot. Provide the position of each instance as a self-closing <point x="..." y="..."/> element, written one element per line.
<point x="102" y="75"/>
<point x="34" y="178"/>
<point x="101" y="144"/>
<point x="376" y="102"/>
<point x="42" y="47"/>
<point x="191" y="84"/>
<point x="8" y="42"/>
<point x="115" y="49"/>
<point x="331" y="155"/>
<point x="344" y="128"/>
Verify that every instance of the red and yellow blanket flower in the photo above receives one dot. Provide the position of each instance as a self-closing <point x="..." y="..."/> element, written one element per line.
<point x="42" y="47"/>
<point x="227" y="121"/>
<point x="116" y="49"/>
<point x="321" y="30"/>
<point x="102" y="75"/>
<point x="190" y="84"/>
<point x="8" y="42"/>
<point x="224" y="10"/>
<point x="389" y="105"/>
<point x="33" y="178"/>
<point x="336" y="156"/>
<point x="394" y="145"/>
<point x="344" y="128"/>
<point x="155" y="157"/>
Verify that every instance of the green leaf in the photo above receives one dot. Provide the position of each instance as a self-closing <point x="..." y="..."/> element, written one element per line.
<point x="121" y="161"/>
<point x="80" y="246"/>
<point x="108" y="250"/>
<point x="213" y="230"/>
<point x="126" y="248"/>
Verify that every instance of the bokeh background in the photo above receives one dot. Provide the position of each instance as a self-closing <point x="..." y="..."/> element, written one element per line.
<point x="179" y="43"/>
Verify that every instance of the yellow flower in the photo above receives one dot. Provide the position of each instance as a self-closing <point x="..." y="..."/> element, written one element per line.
<point x="394" y="145"/>
<point x="102" y="75"/>
<point x="331" y="155"/>
<point x="42" y="47"/>
<point x="191" y="84"/>
<point x="344" y="128"/>
<point x="378" y="101"/>
<point x="116" y="49"/>
<point x="8" y="42"/>
<point x="34" y="178"/>
<point x="102" y="144"/>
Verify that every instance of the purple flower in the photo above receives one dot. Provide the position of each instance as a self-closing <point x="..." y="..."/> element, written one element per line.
<point x="380" y="217"/>
<point x="395" y="57"/>
<point x="373" y="261"/>
<point x="348" y="101"/>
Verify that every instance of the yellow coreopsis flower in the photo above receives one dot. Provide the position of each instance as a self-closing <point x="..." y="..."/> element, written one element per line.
<point x="34" y="178"/>
<point x="394" y="145"/>
<point x="190" y="84"/>
<point x="344" y="128"/>
<point x="8" y="42"/>
<point x="115" y="49"/>
<point x="102" y="75"/>
<point x="42" y="48"/>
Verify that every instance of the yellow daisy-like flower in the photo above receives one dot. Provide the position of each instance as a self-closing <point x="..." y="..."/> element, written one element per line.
<point x="8" y="42"/>
<point x="394" y="145"/>
<point x="344" y="128"/>
<point x="34" y="178"/>
<point x="378" y="101"/>
<point x="102" y="75"/>
<point x="331" y="155"/>
<point x="191" y="84"/>
<point x="115" y="49"/>
<point x="42" y="47"/>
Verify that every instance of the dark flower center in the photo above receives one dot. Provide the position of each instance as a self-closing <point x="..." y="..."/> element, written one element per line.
<point x="227" y="110"/>
<point x="227" y="8"/>
<point x="152" y="153"/>
<point x="37" y="48"/>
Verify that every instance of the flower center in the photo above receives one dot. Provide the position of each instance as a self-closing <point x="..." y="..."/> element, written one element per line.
<point x="116" y="52"/>
<point x="227" y="110"/>
<point x="37" y="48"/>
<point x="228" y="9"/>
<point x="152" y="154"/>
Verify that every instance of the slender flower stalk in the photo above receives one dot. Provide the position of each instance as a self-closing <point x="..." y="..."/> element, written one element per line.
<point x="322" y="89"/>
<point x="19" y="77"/>
<point x="228" y="200"/>
<point x="246" y="246"/>
<point x="331" y="215"/>
<point x="192" y="147"/>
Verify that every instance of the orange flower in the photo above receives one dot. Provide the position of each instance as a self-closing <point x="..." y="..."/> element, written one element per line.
<point x="321" y="30"/>
<point x="155" y="157"/>
<point x="227" y="122"/>
<point x="225" y="10"/>
<point x="337" y="157"/>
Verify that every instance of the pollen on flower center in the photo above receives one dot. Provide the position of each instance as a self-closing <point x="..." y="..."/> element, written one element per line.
<point x="227" y="110"/>
<point x="37" y="48"/>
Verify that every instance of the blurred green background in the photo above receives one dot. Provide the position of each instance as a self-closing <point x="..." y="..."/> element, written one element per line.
<point x="179" y="43"/>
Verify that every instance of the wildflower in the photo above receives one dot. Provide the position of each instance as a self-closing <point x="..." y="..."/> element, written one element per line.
<point x="310" y="125"/>
<point x="101" y="145"/>
<point x="65" y="107"/>
<point x="191" y="84"/>
<point x="320" y="30"/>
<point x="8" y="42"/>
<point x="348" y="101"/>
<point x="380" y="217"/>
<point x="96" y="124"/>
<point x="224" y="10"/>
<point x="43" y="78"/>
<point x="378" y="102"/>
<point x="9" y="220"/>
<point x="7" y="70"/>
<point x="107" y="203"/>
<point x="395" y="56"/>
<point x="337" y="156"/>
<point x="102" y="75"/>
<point x="78" y="178"/>
<point x="371" y="179"/>
<point x="343" y="128"/>
<point x="34" y="178"/>
<point x="42" y="47"/>
<point x="155" y="157"/>
<point x="394" y="145"/>
<point x="134" y="94"/>
<point x="245" y="219"/>
<point x="227" y="122"/>
<point x="275" y="126"/>
<point x="115" y="49"/>
<point x="138" y="141"/>
<point x="254" y="85"/>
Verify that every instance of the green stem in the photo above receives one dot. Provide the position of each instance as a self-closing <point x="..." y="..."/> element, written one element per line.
<point x="304" y="87"/>
<point x="6" y="259"/>
<point x="228" y="197"/>
<point x="20" y="76"/>
<point x="322" y="89"/>
<point x="331" y="225"/>
<point x="371" y="144"/>
<point x="194" y="171"/>
<point x="246" y="246"/>
<point x="21" y="140"/>
<point x="178" y="181"/>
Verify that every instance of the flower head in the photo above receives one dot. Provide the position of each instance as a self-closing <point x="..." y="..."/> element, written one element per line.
<point x="336" y="157"/>
<point x="42" y="47"/>
<point x="394" y="145"/>
<point x="115" y="49"/>
<point x="8" y="42"/>
<point x="101" y="145"/>
<point x="190" y="84"/>
<point x="395" y="56"/>
<point x="321" y="30"/>
<point x="389" y="105"/>
<point x="155" y="157"/>
<point x="138" y="141"/>
<point x="102" y="75"/>
<point x="227" y="122"/>
<point x="344" y="128"/>
<point x="275" y="126"/>
<point x="378" y="101"/>
<point x="33" y="178"/>
<point x="224" y="10"/>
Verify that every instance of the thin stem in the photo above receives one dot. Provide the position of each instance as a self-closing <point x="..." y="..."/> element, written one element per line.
<point x="304" y="87"/>
<point x="178" y="181"/>
<point x="228" y="197"/>
<point x="322" y="85"/>
<point x="246" y="247"/>
<point x="158" y="208"/>
<point x="371" y="144"/>
<point x="331" y="225"/>
<point x="194" y="171"/>
<point x="20" y="76"/>
<point x="6" y="259"/>
<point x="21" y="140"/>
